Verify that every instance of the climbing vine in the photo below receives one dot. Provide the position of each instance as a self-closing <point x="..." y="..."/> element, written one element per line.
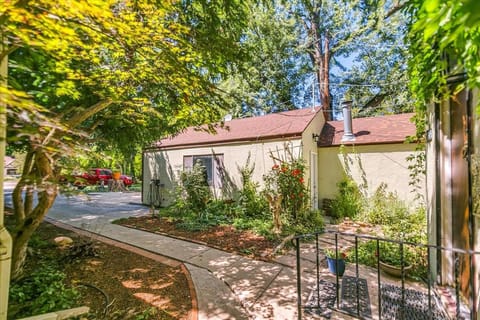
<point x="444" y="41"/>
<point x="444" y="38"/>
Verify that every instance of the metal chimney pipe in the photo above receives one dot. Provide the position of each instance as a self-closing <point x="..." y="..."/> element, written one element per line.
<point x="347" y="121"/>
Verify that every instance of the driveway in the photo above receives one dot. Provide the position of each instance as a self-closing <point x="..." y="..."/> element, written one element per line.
<point x="96" y="208"/>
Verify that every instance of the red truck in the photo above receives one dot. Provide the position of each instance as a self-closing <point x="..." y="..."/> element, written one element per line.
<point x="96" y="176"/>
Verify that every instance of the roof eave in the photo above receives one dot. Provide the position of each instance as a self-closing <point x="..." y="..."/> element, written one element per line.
<point x="224" y="141"/>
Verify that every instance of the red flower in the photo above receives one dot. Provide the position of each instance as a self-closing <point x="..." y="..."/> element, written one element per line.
<point x="275" y="166"/>
<point x="301" y="180"/>
<point x="296" y="172"/>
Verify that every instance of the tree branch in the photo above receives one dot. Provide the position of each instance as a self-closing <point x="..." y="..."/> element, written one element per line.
<point x="398" y="6"/>
<point x="82" y="116"/>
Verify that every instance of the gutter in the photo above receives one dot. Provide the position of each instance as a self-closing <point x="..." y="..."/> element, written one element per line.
<point x="222" y="142"/>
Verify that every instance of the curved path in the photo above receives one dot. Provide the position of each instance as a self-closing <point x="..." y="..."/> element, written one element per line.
<point x="228" y="286"/>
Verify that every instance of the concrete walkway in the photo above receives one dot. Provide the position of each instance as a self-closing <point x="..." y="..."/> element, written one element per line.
<point x="228" y="286"/>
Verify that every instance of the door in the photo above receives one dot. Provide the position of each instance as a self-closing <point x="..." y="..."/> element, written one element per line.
<point x="314" y="180"/>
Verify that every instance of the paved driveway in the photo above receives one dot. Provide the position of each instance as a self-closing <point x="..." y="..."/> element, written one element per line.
<point x="90" y="209"/>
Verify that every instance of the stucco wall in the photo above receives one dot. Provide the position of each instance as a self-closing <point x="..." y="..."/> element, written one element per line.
<point x="167" y="165"/>
<point x="370" y="164"/>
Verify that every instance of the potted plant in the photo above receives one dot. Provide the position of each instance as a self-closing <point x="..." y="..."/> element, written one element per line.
<point x="336" y="261"/>
<point x="391" y="259"/>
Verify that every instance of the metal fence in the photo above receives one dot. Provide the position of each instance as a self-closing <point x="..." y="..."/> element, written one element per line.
<point x="442" y="284"/>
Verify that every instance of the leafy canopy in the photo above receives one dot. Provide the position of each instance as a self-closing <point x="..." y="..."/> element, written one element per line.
<point x="445" y="37"/>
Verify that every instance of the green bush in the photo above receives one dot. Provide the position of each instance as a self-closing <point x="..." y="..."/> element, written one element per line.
<point x="261" y="226"/>
<point x="307" y="221"/>
<point x="390" y="253"/>
<point x="349" y="200"/>
<point x="196" y="191"/>
<point x="250" y="203"/>
<point x="41" y="292"/>
<point x="216" y="212"/>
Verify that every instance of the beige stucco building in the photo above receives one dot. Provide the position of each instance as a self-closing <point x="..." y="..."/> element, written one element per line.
<point x="258" y="140"/>
<point x="378" y="154"/>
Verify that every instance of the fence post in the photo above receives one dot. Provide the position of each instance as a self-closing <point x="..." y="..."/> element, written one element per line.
<point x="299" y="280"/>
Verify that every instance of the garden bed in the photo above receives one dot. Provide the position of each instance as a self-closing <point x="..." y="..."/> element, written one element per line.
<point x="131" y="285"/>
<point x="222" y="237"/>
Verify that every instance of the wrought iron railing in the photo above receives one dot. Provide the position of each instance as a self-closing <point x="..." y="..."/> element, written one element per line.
<point x="435" y="292"/>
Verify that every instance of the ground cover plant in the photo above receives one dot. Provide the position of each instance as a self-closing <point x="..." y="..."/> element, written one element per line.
<point x="96" y="275"/>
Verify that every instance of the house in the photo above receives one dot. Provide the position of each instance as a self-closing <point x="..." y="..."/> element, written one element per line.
<point x="378" y="154"/>
<point x="453" y="189"/>
<point x="10" y="166"/>
<point x="257" y="138"/>
<point x="375" y="150"/>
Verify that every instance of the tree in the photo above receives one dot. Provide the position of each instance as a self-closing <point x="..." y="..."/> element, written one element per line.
<point x="334" y="29"/>
<point x="378" y="80"/>
<point x="272" y="76"/>
<point x="81" y="68"/>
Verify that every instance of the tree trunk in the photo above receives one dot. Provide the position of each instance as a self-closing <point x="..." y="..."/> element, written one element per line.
<point x="28" y="221"/>
<point x="320" y="58"/>
<point x="19" y="255"/>
<point x="325" y="88"/>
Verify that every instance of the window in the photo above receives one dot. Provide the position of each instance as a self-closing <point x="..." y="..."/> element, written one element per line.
<point x="213" y="165"/>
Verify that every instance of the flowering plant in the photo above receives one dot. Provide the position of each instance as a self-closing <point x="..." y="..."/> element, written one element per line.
<point x="287" y="180"/>
<point x="332" y="253"/>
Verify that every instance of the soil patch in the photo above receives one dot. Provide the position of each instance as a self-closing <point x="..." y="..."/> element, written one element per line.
<point x="115" y="283"/>
<point x="225" y="238"/>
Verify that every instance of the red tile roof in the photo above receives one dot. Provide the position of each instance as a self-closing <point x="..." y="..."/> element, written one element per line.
<point x="373" y="130"/>
<point x="275" y="125"/>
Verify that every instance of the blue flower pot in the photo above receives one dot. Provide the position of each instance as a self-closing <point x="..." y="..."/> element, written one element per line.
<point x="336" y="266"/>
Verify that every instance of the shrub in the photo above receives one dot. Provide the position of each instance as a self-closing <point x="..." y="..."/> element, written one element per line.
<point x="196" y="191"/>
<point x="349" y="200"/>
<point x="287" y="180"/>
<point x="390" y="253"/>
<point x="260" y="226"/>
<point x="250" y="203"/>
<point x="307" y="221"/>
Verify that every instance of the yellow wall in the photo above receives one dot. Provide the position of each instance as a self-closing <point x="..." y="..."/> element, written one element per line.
<point x="372" y="164"/>
<point x="167" y="165"/>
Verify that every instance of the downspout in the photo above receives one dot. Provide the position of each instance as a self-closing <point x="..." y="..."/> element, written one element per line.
<point x="5" y="239"/>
